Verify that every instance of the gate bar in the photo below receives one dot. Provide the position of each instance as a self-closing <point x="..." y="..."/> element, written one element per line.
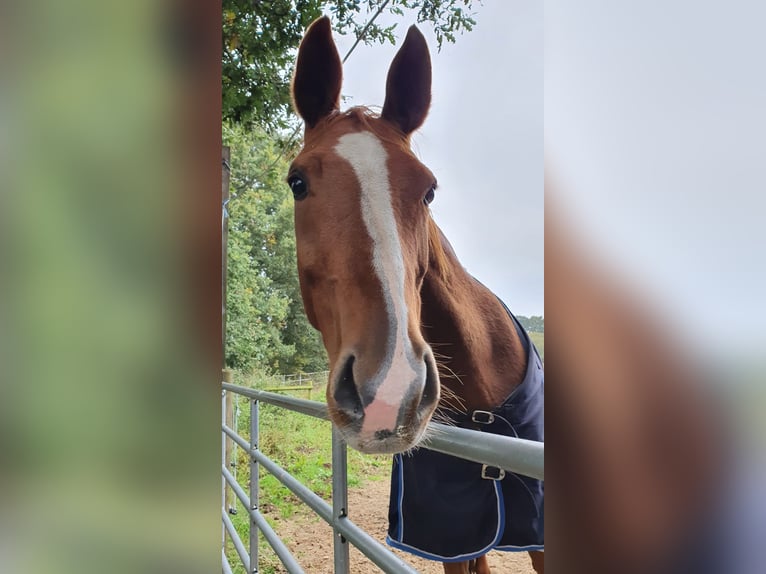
<point x="366" y="544"/>
<point x="300" y="490"/>
<point x="223" y="462"/>
<point x="225" y="563"/>
<point x="339" y="500"/>
<point x="312" y="408"/>
<point x="254" y="483"/>
<point x="238" y="544"/>
<point x="517" y="455"/>
<point x="512" y="454"/>
<point x="268" y="532"/>
<point x="374" y="550"/>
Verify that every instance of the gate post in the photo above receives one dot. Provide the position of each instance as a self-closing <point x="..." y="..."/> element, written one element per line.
<point x="223" y="464"/>
<point x="228" y="419"/>
<point x="339" y="500"/>
<point x="254" y="484"/>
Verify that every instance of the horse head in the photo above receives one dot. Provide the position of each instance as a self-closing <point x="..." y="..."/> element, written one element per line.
<point x="362" y="235"/>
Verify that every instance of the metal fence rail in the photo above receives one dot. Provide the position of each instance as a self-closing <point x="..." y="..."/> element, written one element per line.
<point x="514" y="455"/>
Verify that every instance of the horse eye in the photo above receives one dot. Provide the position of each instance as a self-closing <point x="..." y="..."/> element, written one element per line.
<point x="298" y="187"/>
<point x="429" y="197"/>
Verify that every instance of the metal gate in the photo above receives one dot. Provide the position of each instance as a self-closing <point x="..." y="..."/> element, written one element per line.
<point x="515" y="455"/>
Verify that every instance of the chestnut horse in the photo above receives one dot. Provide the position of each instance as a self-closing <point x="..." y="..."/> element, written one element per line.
<point x="378" y="279"/>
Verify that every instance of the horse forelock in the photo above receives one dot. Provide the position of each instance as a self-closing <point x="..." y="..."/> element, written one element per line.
<point x="364" y="118"/>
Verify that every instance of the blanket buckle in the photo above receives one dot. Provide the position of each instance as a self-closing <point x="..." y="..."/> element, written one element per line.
<point x="495" y="472"/>
<point x="482" y="417"/>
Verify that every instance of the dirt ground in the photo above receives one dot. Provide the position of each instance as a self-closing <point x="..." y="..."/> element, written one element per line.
<point x="310" y="538"/>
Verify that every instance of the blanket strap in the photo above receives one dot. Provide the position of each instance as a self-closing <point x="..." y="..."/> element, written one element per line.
<point x="483" y="417"/>
<point x="492" y="472"/>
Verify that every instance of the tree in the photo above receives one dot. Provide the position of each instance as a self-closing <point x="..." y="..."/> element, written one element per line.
<point x="265" y="323"/>
<point x="534" y="324"/>
<point x="260" y="39"/>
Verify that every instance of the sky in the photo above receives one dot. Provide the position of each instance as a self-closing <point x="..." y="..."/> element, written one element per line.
<point x="483" y="139"/>
<point x="653" y="129"/>
<point x="654" y="126"/>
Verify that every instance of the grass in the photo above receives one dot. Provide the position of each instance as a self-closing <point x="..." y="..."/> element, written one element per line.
<point x="539" y="340"/>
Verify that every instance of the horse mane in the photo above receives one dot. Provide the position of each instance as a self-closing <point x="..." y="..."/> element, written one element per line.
<point x="436" y="253"/>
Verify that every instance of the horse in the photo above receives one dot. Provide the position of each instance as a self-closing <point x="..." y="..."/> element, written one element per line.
<point x="408" y="332"/>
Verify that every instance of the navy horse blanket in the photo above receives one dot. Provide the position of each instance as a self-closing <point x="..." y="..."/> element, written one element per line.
<point x="449" y="509"/>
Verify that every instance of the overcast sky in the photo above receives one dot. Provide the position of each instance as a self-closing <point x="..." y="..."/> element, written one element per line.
<point x="483" y="140"/>
<point x="655" y="118"/>
<point x="654" y="122"/>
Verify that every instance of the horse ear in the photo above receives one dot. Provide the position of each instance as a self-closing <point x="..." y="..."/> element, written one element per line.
<point x="318" y="74"/>
<point x="408" y="87"/>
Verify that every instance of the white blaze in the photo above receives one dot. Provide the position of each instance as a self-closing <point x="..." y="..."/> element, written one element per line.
<point x="367" y="157"/>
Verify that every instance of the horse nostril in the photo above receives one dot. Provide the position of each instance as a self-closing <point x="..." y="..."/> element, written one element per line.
<point x="430" y="394"/>
<point x="346" y="396"/>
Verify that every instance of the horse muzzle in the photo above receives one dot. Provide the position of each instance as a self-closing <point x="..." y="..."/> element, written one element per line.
<point x="389" y="412"/>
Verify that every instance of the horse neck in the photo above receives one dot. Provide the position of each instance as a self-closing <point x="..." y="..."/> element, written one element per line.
<point x="480" y="356"/>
